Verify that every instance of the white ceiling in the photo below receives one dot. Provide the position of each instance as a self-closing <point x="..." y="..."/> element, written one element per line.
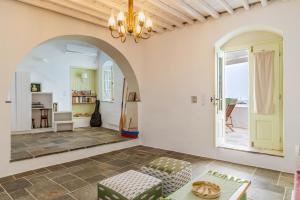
<point x="166" y="14"/>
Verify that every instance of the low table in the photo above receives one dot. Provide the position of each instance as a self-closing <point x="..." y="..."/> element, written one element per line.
<point x="232" y="188"/>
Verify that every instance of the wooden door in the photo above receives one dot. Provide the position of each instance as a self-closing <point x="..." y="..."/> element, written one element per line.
<point x="266" y="129"/>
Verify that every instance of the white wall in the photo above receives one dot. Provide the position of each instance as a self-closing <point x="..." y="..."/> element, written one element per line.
<point x="181" y="64"/>
<point x="236" y="81"/>
<point x="54" y="72"/>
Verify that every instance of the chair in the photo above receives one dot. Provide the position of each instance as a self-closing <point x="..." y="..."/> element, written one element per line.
<point x="230" y="105"/>
<point x="44" y="118"/>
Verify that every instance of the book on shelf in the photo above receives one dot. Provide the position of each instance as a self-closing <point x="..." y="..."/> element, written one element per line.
<point x="84" y="99"/>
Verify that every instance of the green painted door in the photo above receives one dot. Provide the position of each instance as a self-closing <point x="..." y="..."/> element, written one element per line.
<point x="266" y="129"/>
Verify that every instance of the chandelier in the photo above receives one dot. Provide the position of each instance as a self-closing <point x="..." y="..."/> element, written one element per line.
<point x="132" y="24"/>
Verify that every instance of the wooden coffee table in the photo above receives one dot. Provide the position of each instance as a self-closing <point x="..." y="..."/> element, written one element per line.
<point x="232" y="188"/>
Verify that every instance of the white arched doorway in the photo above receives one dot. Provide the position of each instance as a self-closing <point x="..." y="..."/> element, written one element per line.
<point x="249" y="110"/>
<point x="124" y="67"/>
<point x="62" y="70"/>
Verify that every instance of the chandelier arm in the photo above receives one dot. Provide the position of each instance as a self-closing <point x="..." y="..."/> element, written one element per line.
<point x="123" y="39"/>
<point x="141" y="31"/>
<point x="145" y="36"/>
<point x="115" y="36"/>
<point x="136" y="39"/>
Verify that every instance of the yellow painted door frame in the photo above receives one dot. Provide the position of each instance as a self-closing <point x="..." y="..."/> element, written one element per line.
<point x="277" y="136"/>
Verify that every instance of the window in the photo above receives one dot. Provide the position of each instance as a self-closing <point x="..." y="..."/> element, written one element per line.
<point x="107" y="81"/>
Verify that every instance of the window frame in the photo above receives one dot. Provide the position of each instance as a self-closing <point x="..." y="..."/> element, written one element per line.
<point x="107" y="67"/>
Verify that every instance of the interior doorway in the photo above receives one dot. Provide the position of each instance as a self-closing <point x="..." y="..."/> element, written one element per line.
<point x="236" y="84"/>
<point x="56" y="90"/>
<point x="249" y="90"/>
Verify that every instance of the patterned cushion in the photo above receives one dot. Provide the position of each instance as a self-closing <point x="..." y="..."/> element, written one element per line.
<point x="173" y="173"/>
<point x="169" y="165"/>
<point x="130" y="185"/>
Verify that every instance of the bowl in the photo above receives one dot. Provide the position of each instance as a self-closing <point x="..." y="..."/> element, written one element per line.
<point x="206" y="190"/>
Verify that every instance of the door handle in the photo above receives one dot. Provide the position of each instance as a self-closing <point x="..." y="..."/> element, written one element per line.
<point x="213" y="99"/>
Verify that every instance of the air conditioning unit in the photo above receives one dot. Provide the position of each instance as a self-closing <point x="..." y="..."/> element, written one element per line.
<point x="81" y="49"/>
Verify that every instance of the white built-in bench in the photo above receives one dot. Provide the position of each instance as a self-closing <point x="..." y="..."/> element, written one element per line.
<point x="63" y="121"/>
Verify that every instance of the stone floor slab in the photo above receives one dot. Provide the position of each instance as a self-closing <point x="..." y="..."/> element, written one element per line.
<point x="74" y="184"/>
<point x="46" y="190"/>
<point x="119" y="163"/>
<point x="6" y="179"/>
<point x="65" y="197"/>
<point x="4" y="196"/>
<point x="265" y="175"/>
<point x="21" y="195"/>
<point x="19" y="184"/>
<point x="86" y="193"/>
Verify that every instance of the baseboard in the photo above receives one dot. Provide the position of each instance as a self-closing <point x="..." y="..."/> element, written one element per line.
<point x="36" y="130"/>
<point x="110" y="126"/>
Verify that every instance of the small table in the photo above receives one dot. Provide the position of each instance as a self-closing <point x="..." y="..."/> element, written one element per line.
<point x="232" y="188"/>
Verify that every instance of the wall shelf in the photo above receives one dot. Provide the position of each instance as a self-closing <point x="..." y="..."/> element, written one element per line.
<point x="84" y="96"/>
<point x="84" y="99"/>
<point x="85" y="103"/>
<point x="41" y="108"/>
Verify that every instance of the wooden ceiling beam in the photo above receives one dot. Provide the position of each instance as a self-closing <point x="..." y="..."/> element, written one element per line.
<point x="162" y="16"/>
<point x="110" y="4"/>
<point x="226" y="6"/>
<point x="199" y="4"/>
<point x="86" y="4"/>
<point x="264" y="3"/>
<point x="246" y="4"/>
<point x="65" y="11"/>
<point x="180" y="5"/>
<point x="164" y="7"/>
<point x="161" y="24"/>
<point x="81" y="8"/>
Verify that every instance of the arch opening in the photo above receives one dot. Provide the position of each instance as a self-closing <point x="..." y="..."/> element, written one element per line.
<point x="58" y="83"/>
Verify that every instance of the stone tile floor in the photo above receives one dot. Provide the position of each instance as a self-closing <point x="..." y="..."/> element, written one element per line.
<point x="240" y="140"/>
<point x="77" y="180"/>
<point x="26" y="146"/>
